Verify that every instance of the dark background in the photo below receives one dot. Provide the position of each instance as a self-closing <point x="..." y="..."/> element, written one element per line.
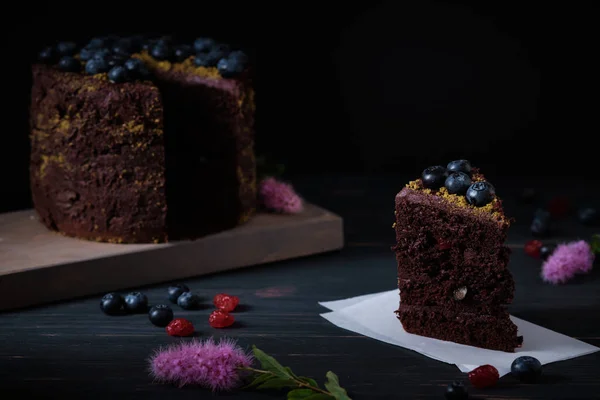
<point x="354" y="88"/>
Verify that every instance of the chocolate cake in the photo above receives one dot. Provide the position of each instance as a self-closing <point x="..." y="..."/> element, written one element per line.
<point x="136" y="141"/>
<point x="452" y="260"/>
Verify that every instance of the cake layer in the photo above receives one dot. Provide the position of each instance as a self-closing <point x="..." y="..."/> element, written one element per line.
<point x="490" y="331"/>
<point x="430" y="227"/>
<point x="210" y="164"/>
<point x="97" y="167"/>
<point x="461" y="287"/>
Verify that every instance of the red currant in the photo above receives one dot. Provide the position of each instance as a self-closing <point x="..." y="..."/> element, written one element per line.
<point x="532" y="248"/>
<point x="484" y="376"/>
<point x="559" y="206"/>
<point x="180" y="327"/>
<point x="226" y="302"/>
<point x="220" y="319"/>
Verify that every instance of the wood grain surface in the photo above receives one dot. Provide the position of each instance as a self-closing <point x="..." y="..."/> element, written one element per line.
<point x="38" y="265"/>
<point x="72" y="350"/>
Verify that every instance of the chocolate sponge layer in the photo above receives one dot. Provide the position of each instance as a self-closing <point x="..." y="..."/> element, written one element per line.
<point x="97" y="166"/>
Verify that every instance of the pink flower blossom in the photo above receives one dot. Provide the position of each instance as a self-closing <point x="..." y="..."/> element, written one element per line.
<point x="214" y="365"/>
<point x="279" y="196"/>
<point x="566" y="261"/>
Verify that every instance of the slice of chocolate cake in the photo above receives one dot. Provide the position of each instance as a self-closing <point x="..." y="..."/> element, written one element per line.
<point x="452" y="261"/>
<point x="136" y="141"/>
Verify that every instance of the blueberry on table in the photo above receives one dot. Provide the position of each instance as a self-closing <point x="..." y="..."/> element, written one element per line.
<point x="136" y="302"/>
<point x="588" y="216"/>
<point x="69" y="64"/>
<point x="122" y="46"/>
<point x="160" y="315"/>
<point x="112" y="303"/>
<point x="116" y="59"/>
<point x="480" y="193"/>
<point x="456" y="391"/>
<point x="87" y="53"/>
<point x="540" y="225"/>
<point x="47" y="55"/>
<point x="118" y="74"/>
<point x="526" y="369"/>
<point x="175" y="291"/>
<point x="460" y="166"/>
<point x="203" y="44"/>
<point x="188" y="301"/>
<point x="182" y="52"/>
<point x="66" y="48"/>
<point x="458" y="183"/>
<point x="546" y="251"/>
<point x="96" y="66"/>
<point x="434" y="177"/>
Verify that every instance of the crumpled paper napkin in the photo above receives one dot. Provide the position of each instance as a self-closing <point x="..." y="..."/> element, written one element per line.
<point x="373" y="315"/>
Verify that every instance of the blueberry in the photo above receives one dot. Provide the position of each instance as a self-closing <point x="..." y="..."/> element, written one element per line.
<point x="188" y="301"/>
<point x="69" y="64"/>
<point x="101" y="53"/>
<point x="456" y="391"/>
<point x="87" y="53"/>
<point x="540" y="226"/>
<point x="137" y="68"/>
<point x="230" y="67"/>
<point x="175" y="291"/>
<point x="239" y="56"/>
<point x="203" y="44"/>
<point x="118" y="74"/>
<point x="112" y="304"/>
<point x="209" y="59"/>
<point x="160" y="315"/>
<point x="149" y="44"/>
<point x="116" y="59"/>
<point x="458" y="183"/>
<point x="97" y="42"/>
<point x="47" y="55"/>
<point x="161" y="51"/>
<point x="460" y="166"/>
<point x="588" y="216"/>
<point x="480" y="193"/>
<point x="96" y="66"/>
<point x="434" y="177"/>
<point x="547" y="250"/>
<point x="136" y="302"/>
<point x="66" y="48"/>
<point x="526" y="369"/>
<point x="182" y="52"/>
<point x="122" y="46"/>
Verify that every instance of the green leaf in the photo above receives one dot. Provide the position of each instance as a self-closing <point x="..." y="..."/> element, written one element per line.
<point x="260" y="378"/>
<point x="299" y="394"/>
<point x="333" y="386"/>
<point x="277" y="383"/>
<point x="309" y="381"/>
<point x="319" y="396"/>
<point x="270" y="364"/>
<point x="595" y="243"/>
<point x="289" y="371"/>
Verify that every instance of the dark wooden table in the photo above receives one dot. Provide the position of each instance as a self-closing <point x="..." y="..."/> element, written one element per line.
<point x="72" y="350"/>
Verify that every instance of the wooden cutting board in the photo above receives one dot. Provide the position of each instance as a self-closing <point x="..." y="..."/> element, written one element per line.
<point x="39" y="266"/>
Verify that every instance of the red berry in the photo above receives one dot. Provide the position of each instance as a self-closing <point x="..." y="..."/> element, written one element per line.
<point x="559" y="206"/>
<point x="226" y="302"/>
<point x="532" y="248"/>
<point x="180" y="327"/>
<point x="484" y="376"/>
<point x="220" y="319"/>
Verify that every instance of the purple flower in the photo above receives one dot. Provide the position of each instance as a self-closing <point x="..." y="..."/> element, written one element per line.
<point x="566" y="261"/>
<point x="279" y="196"/>
<point x="206" y="363"/>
